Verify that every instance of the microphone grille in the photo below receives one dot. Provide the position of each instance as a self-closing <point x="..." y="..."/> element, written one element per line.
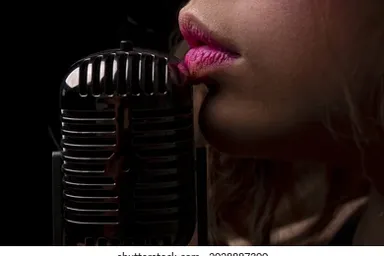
<point x="120" y="73"/>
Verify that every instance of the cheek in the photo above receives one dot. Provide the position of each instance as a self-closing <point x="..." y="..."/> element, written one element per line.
<point x="275" y="25"/>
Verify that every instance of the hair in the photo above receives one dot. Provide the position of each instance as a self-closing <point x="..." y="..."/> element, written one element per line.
<point x="248" y="196"/>
<point x="359" y="116"/>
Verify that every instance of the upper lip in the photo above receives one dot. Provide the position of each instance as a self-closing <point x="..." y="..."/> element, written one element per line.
<point x="197" y="34"/>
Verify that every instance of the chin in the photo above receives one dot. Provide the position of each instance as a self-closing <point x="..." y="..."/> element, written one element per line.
<point x="231" y="129"/>
<point x="225" y="127"/>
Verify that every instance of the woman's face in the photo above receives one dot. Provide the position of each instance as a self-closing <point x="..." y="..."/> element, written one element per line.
<point x="296" y="58"/>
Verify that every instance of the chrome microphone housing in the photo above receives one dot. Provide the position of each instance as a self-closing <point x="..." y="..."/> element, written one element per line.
<point x="128" y="151"/>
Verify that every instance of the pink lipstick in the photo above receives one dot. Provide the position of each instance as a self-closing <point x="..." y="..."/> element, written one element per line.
<point x="206" y="54"/>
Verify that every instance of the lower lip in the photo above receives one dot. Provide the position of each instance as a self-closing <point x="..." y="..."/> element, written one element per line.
<point x="201" y="61"/>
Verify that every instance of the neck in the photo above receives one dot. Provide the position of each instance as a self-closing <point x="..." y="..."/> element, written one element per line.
<point x="371" y="226"/>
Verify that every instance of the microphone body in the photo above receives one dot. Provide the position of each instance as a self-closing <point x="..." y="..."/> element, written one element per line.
<point x="128" y="151"/>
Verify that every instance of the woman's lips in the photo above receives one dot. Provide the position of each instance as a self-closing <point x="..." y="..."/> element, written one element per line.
<point x="206" y="54"/>
<point x="204" y="59"/>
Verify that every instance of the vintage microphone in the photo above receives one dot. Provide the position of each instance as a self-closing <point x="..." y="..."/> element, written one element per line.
<point x="128" y="151"/>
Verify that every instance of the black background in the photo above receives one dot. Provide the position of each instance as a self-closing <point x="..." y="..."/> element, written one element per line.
<point x="48" y="40"/>
<point x="85" y="29"/>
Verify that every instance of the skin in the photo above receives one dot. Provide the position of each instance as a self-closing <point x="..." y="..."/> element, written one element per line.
<point x="307" y="72"/>
<point x="296" y="61"/>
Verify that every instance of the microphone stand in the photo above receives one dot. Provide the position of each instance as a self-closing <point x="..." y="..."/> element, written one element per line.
<point x="201" y="194"/>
